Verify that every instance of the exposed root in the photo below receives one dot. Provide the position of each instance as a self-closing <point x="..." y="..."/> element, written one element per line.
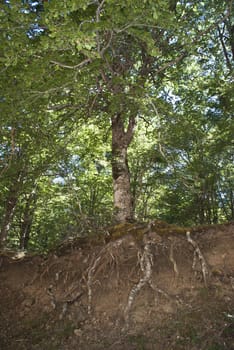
<point x="65" y="302"/>
<point x="109" y="251"/>
<point x="232" y="282"/>
<point x="89" y="283"/>
<point x="198" y="254"/>
<point x="52" y="296"/>
<point x="159" y="291"/>
<point x="146" y="263"/>
<point x="172" y="259"/>
<point x="69" y="302"/>
<point x="45" y="271"/>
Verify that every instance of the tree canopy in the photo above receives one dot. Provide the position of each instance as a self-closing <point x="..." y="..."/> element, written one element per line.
<point x="130" y="100"/>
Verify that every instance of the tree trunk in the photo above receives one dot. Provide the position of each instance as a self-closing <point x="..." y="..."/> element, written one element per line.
<point x="121" y="139"/>
<point x="201" y="208"/>
<point x="11" y="202"/>
<point x="231" y="204"/>
<point x="26" y="224"/>
<point x="8" y="217"/>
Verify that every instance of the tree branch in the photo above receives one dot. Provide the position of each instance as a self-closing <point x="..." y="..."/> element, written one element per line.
<point x="77" y="66"/>
<point x="224" y="49"/>
<point x="195" y="41"/>
<point x="107" y="45"/>
<point x="62" y="106"/>
<point x="130" y="130"/>
<point x="97" y="21"/>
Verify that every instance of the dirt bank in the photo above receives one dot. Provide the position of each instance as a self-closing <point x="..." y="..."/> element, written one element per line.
<point x="137" y="286"/>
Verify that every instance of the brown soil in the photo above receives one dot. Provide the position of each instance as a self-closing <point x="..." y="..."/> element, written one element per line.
<point x="139" y="287"/>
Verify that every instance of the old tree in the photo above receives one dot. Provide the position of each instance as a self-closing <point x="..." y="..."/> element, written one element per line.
<point x="68" y="63"/>
<point x="115" y="52"/>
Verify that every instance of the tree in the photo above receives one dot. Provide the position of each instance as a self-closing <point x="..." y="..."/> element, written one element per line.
<point x="28" y="148"/>
<point x="119" y="51"/>
<point x="111" y="59"/>
<point x="111" y="69"/>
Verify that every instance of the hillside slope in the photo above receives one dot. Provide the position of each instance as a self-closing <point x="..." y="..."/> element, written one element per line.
<point x="137" y="286"/>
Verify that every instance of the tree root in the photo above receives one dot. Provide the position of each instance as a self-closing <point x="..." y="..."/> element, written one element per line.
<point x="173" y="261"/>
<point x="108" y="249"/>
<point x="198" y="254"/>
<point x="109" y="257"/>
<point x="52" y="297"/>
<point x="55" y="303"/>
<point x="68" y="302"/>
<point x="89" y="283"/>
<point x="146" y="263"/>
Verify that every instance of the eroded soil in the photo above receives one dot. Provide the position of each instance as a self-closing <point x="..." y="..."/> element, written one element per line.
<point x="138" y="286"/>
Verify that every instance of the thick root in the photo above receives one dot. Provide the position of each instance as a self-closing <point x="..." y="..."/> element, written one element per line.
<point x="198" y="254"/>
<point x="146" y="263"/>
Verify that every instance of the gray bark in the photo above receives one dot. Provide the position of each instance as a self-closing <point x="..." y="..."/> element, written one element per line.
<point x="123" y="204"/>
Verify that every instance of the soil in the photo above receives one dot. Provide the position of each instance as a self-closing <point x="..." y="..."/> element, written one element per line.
<point x="130" y="287"/>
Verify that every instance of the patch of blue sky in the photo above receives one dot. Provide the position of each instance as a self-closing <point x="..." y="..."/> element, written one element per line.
<point x="59" y="180"/>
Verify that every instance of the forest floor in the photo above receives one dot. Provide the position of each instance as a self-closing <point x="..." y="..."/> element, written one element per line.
<point x="131" y="287"/>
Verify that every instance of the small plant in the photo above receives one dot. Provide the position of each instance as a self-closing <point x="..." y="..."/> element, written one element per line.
<point x="139" y="341"/>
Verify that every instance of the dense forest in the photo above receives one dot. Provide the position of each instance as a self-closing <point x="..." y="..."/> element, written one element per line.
<point x="114" y="111"/>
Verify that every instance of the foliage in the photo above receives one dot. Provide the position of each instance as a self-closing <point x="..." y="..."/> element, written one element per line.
<point x="68" y="68"/>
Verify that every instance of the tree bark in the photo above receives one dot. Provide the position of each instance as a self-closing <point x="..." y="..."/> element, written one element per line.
<point x="26" y="224"/>
<point x="11" y="201"/>
<point x="121" y="139"/>
<point x="8" y="217"/>
<point x="231" y="204"/>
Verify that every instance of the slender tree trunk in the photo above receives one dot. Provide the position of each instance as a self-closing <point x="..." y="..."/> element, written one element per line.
<point x="222" y="204"/>
<point x="214" y="205"/>
<point x="25" y="232"/>
<point x="121" y="139"/>
<point x="8" y="217"/>
<point x="201" y="209"/>
<point x="209" y="209"/>
<point x="134" y="185"/>
<point x="231" y="196"/>
<point x="10" y="206"/>
<point x="27" y="221"/>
